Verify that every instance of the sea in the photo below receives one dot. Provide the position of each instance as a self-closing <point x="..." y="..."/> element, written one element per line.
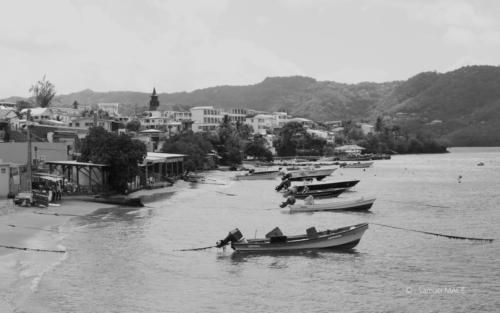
<point x="129" y="260"/>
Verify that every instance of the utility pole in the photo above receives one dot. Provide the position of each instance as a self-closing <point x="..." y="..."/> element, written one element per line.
<point x="28" y="127"/>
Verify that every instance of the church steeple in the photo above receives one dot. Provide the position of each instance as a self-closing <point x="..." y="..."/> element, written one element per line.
<point x="154" y="103"/>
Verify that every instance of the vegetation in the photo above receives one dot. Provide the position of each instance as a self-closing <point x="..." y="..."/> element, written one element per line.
<point x="43" y="91"/>
<point x="133" y="125"/>
<point x="257" y="148"/>
<point x="293" y="140"/>
<point x="120" y="152"/>
<point x="194" y="145"/>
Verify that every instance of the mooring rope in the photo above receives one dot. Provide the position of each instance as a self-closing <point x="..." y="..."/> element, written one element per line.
<point x="420" y="203"/>
<point x="197" y="249"/>
<point x="225" y="193"/>
<point x="435" y="234"/>
<point x="58" y="214"/>
<point x="32" y="249"/>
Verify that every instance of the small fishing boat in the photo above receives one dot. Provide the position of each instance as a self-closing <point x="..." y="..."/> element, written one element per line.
<point x="257" y="175"/>
<point x="358" y="165"/>
<point x="351" y="205"/>
<point x="340" y="238"/>
<point x="309" y="174"/>
<point x="322" y="193"/>
<point x="328" y="185"/>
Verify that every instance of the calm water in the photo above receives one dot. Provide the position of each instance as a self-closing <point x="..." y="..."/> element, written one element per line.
<point x="124" y="260"/>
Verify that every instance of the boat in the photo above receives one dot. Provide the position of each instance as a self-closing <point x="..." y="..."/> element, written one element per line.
<point x="358" y="165"/>
<point x="257" y="175"/>
<point x="341" y="238"/>
<point x="309" y="174"/>
<point x="322" y="193"/>
<point x="328" y="185"/>
<point x="351" y="205"/>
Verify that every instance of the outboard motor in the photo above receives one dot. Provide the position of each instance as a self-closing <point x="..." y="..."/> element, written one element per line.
<point x="286" y="176"/>
<point x="284" y="184"/>
<point x="234" y="235"/>
<point x="289" y="201"/>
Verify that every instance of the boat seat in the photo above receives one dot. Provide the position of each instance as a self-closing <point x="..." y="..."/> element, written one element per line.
<point x="278" y="239"/>
<point x="312" y="233"/>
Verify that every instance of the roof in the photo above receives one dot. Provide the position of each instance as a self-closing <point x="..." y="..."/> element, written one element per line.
<point x="4" y="113"/>
<point x="75" y="163"/>
<point x="349" y="147"/>
<point x="299" y="119"/>
<point x="151" y="131"/>
<point x="36" y="111"/>
<point x="164" y="155"/>
<point x="205" y="107"/>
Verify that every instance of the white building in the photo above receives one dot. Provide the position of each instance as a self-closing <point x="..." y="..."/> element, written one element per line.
<point x="366" y="128"/>
<point x="111" y="108"/>
<point x="327" y="135"/>
<point x="264" y="123"/>
<point x="177" y="116"/>
<point x="205" y="118"/>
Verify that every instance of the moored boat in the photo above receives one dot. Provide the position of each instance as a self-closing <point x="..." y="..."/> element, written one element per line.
<point x="350" y="205"/>
<point x="257" y="175"/>
<point x="328" y="185"/>
<point x="340" y="238"/>
<point x="308" y="174"/>
<point x="358" y="165"/>
<point x="322" y="193"/>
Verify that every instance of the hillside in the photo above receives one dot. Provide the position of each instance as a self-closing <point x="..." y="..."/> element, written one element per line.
<point x="465" y="101"/>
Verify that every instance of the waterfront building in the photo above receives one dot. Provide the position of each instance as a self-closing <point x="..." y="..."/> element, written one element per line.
<point x="353" y="150"/>
<point x="266" y="123"/>
<point x="327" y="135"/>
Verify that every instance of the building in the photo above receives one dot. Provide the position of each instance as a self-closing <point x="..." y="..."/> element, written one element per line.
<point x="154" y="103"/>
<point x="349" y="150"/>
<point x="307" y="123"/>
<point x="205" y="118"/>
<point x="10" y="178"/>
<point x="266" y="123"/>
<point x="236" y="115"/>
<point x="38" y="114"/>
<point x="110" y="108"/>
<point x="327" y="135"/>
<point x="366" y="128"/>
<point x="177" y="116"/>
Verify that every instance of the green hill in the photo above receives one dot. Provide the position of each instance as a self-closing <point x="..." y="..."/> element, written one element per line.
<point x="464" y="104"/>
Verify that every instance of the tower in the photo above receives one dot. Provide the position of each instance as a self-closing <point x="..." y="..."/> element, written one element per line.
<point x="154" y="103"/>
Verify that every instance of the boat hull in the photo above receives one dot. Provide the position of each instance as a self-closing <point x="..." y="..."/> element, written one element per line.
<point x="324" y="193"/>
<point x="359" y="165"/>
<point x="340" y="184"/>
<point x="310" y="174"/>
<point x="357" y="205"/>
<point x="257" y="176"/>
<point x="343" y="238"/>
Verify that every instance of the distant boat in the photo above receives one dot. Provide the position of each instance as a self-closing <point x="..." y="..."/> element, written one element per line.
<point x="308" y="174"/>
<point x="322" y="193"/>
<point x="358" y="165"/>
<point x="351" y="205"/>
<point x="257" y="175"/>
<point x="340" y="238"/>
<point x="328" y="185"/>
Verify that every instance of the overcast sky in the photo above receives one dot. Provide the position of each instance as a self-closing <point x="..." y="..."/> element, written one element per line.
<point x="189" y="44"/>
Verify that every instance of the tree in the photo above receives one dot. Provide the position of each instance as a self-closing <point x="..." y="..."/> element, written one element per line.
<point x="75" y="105"/>
<point x="23" y="104"/>
<point x="194" y="145"/>
<point x="257" y="148"/>
<point x="133" y="125"/>
<point x="43" y="91"/>
<point x="379" y="124"/>
<point x="120" y="152"/>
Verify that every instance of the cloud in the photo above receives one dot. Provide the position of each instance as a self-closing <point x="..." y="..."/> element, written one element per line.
<point x="462" y="23"/>
<point x="133" y="45"/>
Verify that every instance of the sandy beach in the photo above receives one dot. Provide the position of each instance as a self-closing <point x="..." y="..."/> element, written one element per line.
<point x="43" y="228"/>
<point x="22" y="270"/>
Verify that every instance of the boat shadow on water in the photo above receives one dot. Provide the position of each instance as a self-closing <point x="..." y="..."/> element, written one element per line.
<point x="241" y="257"/>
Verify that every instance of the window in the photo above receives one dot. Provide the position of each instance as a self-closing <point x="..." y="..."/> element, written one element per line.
<point x="77" y="124"/>
<point x="2" y="170"/>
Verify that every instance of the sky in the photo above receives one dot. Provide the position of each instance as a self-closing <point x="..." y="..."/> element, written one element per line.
<point x="185" y="45"/>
